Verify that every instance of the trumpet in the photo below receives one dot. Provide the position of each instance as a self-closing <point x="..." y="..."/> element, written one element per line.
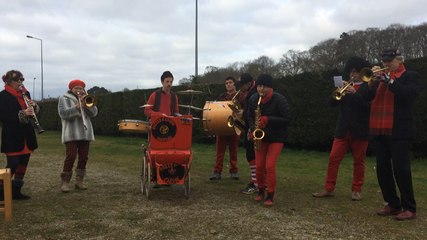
<point x="89" y="101"/>
<point x="340" y="91"/>
<point x="28" y="104"/>
<point x="367" y="74"/>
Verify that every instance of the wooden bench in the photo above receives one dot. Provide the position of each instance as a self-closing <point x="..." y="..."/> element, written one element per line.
<point x="6" y="205"/>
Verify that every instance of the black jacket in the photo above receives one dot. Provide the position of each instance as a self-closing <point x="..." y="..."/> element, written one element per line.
<point x="277" y="111"/>
<point x="405" y="89"/>
<point x="14" y="134"/>
<point x="354" y="114"/>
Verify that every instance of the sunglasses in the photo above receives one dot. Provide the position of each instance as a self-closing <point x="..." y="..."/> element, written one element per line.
<point x="16" y="79"/>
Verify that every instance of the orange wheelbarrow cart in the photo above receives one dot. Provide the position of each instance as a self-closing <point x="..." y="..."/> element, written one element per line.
<point x="167" y="157"/>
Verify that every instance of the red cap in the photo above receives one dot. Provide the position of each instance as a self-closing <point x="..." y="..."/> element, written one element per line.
<point x="75" y="83"/>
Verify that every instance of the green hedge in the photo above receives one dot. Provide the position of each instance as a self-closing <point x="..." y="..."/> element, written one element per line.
<point x="312" y="122"/>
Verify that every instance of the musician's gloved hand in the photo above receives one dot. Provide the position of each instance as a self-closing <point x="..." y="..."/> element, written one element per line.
<point x="385" y="78"/>
<point x="263" y="121"/>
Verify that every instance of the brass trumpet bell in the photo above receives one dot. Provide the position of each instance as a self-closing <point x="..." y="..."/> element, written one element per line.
<point x="367" y="74"/>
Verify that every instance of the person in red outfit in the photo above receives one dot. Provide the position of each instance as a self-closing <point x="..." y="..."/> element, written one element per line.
<point x="352" y="130"/>
<point x="393" y="129"/>
<point x="163" y="100"/>
<point x="273" y="118"/>
<point x="18" y="139"/>
<point x="222" y="141"/>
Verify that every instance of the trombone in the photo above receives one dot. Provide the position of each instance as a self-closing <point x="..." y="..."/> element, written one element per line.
<point x="89" y="101"/>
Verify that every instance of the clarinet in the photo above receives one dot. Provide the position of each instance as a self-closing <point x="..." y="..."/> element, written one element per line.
<point x="27" y="102"/>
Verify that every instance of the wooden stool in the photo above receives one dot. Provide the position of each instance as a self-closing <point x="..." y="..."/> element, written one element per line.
<point x="7" y="193"/>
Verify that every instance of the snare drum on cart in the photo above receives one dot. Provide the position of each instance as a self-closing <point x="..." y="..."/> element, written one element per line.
<point x="133" y="126"/>
<point x="167" y="158"/>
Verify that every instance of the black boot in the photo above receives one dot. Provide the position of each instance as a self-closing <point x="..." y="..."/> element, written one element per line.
<point x="16" y="190"/>
<point x="261" y="195"/>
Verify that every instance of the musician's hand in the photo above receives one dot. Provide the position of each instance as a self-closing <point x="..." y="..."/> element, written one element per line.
<point x="31" y="103"/>
<point x="29" y="111"/>
<point x="263" y="121"/>
<point x="237" y="114"/>
<point x="385" y="78"/>
<point x="350" y="90"/>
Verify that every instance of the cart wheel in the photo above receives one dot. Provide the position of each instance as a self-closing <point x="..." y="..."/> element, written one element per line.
<point x="187" y="186"/>
<point x="144" y="173"/>
<point x="148" y="184"/>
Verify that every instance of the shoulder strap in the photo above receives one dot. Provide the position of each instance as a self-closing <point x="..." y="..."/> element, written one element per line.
<point x="173" y="103"/>
<point x="157" y="100"/>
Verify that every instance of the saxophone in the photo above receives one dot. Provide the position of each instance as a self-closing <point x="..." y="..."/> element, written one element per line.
<point x="258" y="133"/>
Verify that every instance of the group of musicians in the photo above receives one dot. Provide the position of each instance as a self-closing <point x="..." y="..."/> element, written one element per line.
<point x="378" y="105"/>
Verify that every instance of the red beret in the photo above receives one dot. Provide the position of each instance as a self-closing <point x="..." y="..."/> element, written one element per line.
<point x="75" y="83"/>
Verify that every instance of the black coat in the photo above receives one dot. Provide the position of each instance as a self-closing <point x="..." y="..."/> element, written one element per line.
<point x="354" y="114"/>
<point x="277" y="111"/>
<point x="405" y="89"/>
<point x="14" y="134"/>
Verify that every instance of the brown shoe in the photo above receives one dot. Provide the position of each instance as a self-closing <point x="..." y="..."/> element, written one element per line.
<point x="406" y="215"/>
<point x="356" y="196"/>
<point x="323" y="193"/>
<point x="387" y="211"/>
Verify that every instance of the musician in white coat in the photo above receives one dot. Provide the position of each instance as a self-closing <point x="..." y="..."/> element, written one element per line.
<point x="77" y="132"/>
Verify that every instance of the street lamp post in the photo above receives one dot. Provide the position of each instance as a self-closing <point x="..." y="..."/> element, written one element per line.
<point x="196" y="72"/>
<point x="41" y="61"/>
<point x="34" y="93"/>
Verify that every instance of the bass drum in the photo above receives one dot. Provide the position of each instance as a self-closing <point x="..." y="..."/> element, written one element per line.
<point x="133" y="126"/>
<point x="215" y="118"/>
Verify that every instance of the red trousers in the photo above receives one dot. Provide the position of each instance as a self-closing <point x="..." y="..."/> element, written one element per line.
<point x="71" y="150"/>
<point x="221" y="145"/>
<point x="266" y="159"/>
<point x="340" y="147"/>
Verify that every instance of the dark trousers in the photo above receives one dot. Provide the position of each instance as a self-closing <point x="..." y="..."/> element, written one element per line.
<point x="18" y="165"/>
<point x="71" y="150"/>
<point x="394" y="168"/>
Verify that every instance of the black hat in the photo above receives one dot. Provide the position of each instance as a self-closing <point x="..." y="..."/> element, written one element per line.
<point x="390" y="54"/>
<point x="265" y="80"/>
<point x="245" y="78"/>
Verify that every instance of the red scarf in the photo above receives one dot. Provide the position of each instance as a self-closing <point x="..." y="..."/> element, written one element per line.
<point x="382" y="108"/>
<point x="17" y="94"/>
<point x="267" y="97"/>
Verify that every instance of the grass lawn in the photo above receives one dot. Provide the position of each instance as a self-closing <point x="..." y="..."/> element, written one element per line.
<point x="114" y="208"/>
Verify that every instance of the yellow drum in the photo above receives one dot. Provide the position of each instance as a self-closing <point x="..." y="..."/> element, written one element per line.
<point x="133" y="126"/>
<point x="215" y="118"/>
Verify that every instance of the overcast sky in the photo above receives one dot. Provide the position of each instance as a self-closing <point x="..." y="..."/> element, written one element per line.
<point x="129" y="43"/>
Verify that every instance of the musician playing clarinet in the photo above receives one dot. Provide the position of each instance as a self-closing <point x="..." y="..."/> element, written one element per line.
<point x="18" y="139"/>
<point x="77" y="133"/>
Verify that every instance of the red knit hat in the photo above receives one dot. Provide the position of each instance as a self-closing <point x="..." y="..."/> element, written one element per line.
<point x="76" y="82"/>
